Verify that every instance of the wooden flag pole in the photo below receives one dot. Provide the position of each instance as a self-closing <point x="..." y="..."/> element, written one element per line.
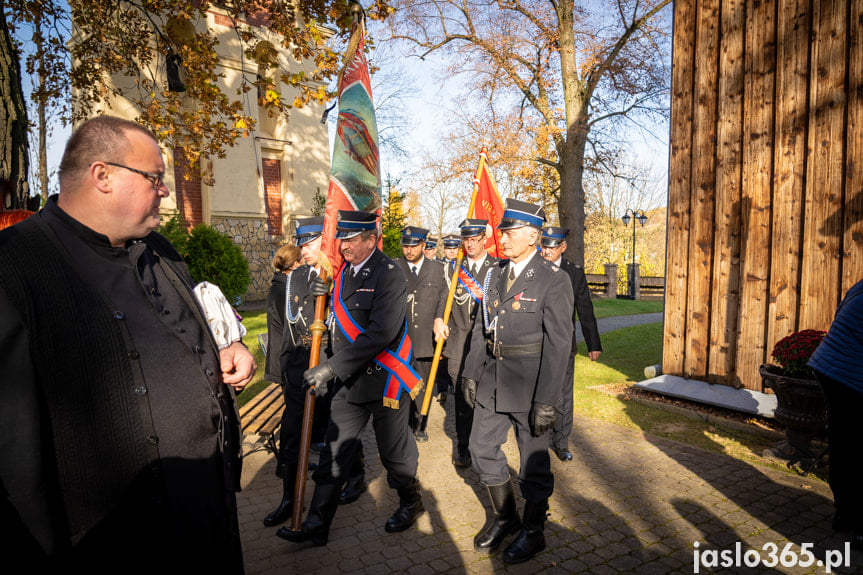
<point x="448" y="309"/>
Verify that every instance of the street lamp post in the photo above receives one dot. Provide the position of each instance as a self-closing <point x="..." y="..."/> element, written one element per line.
<point x="642" y="218"/>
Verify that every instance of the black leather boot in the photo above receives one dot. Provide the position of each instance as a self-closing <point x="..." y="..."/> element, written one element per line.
<point x="356" y="485"/>
<point x="286" y="507"/>
<point x="410" y="507"/>
<point x="531" y="539"/>
<point x="322" y="509"/>
<point x="505" y="521"/>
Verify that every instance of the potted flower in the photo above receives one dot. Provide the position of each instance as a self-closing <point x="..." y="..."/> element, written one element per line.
<point x="800" y="403"/>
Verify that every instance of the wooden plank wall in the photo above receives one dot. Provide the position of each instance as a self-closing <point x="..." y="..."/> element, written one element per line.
<point x="765" y="207"/>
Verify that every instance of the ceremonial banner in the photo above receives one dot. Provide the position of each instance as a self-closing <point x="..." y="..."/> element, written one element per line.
<point x="488" y="205"/>
<point x="355" y="181"/>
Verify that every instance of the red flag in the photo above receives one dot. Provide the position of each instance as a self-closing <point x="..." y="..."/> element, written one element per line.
<point x="488" y="204"/>
<point x="355" y="182"/>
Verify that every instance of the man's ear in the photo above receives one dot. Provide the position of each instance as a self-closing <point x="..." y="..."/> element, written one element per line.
<point x="100" y="177"/>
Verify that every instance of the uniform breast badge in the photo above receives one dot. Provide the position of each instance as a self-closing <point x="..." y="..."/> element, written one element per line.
<point x="516" y="306"/>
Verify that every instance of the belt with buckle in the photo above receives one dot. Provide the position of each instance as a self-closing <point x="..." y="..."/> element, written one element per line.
<point x="501" y="351"/>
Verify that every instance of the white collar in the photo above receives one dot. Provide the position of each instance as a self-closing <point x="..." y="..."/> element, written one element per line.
<point x="519" y="267"/>
<point x="418" y="265"/>
<point x="356" y="268"/>
<point x="478" y="263"/>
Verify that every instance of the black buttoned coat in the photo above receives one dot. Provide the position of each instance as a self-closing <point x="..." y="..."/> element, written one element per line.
<point x="583" y="308"/>
<point x="426" y="299"/>
<point x="376" y="299"/>
<point x="536" y="310"/>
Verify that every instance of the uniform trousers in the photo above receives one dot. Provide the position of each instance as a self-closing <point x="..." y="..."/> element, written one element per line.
<point x="844" y="429"/>
<point x="489" y="433"/>
<point x="396" y="444"/>
<point x="463" y="412"/>
<point x="292" y="423"/>
<point x="559" y="438"/>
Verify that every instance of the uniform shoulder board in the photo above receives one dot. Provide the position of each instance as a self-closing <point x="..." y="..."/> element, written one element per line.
<point x="554" y="268"/>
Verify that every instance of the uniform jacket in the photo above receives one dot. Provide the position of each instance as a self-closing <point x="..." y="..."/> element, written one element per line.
<point x="376" y="299"/>
<point x="464" y="310"/>
<point x="426" y="300"/>
<point x="275" y="321"/>
<point x="583" y="308"/>
<point x="536" y="311"/>
<point x="299" y="316"/>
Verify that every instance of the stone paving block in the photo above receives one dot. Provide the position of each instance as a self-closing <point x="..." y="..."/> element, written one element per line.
<point x="627" y="503"/>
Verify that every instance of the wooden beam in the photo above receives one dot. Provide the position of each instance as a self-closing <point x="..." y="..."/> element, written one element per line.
<point x="852" y="244"/>
<point x="679" y="187"/>
<point x="725" y="290"/>
<point x="703" y="198"/>
<point x="755" y="192"/>
<point x="820" y="279"/>
<point x="792" y="80"/>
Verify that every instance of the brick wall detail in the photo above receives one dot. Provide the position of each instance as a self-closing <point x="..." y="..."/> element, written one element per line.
<point x="188" y="191"/>
<point x="273" y="191"/>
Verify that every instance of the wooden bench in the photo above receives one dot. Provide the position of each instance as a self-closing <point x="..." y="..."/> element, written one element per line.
<point x="262" y="415"/>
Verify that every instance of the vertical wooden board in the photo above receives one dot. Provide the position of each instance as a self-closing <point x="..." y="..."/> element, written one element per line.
<point x="755" y="192"/>
<point x="725" y="294"/>
<point x="852" y="245"/>
<point x="822" y="233"/>
<point x="679" y="184"/>
<point x="703" y="198"/>
<point x="792" y="76"/>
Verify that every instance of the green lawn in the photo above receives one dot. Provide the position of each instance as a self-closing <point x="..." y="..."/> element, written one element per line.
<point x="614" y="307"/>
<point x="256" y="324"/>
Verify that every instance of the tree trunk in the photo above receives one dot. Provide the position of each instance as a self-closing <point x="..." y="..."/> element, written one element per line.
<point x="570" y="205"/>
<point x="13" y="124"/>
<point x="43" y="123"/>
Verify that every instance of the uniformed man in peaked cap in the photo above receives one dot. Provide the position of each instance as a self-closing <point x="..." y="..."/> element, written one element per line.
<point x="426" y="300"/>
<point x="466" y="303"/>
<point x="518" y="353"/>
<point x="370" y="347"/>
<point x="430" y="249"/>
<point x="553" y="245"/>
<point x="300" y="305"/>
<point x="451" y="243"/>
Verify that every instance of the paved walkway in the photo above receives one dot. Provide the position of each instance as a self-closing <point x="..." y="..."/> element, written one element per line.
<point x="627" y="503"/>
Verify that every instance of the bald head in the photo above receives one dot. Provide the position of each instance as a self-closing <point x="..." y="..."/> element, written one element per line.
<point x="103" y="138"/>
<point x="112" y="179"/>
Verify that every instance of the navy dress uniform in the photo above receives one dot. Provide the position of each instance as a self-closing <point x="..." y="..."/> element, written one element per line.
<point x="451" y="241"/>
<point x="426" y="300"/>
<point x="465" y="305"/>
<point x="367" y="332"/>
<point x="582" y="313"/>
<point x="293" y="359"/>
<point x="430" y="250"/>
<point x="518" y="353"/>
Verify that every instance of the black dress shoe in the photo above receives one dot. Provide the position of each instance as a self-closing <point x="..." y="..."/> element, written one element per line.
<point x="281" y="513"/>
<point x="421" y="436"/>
<point x="462" y="461"/>
<point x="351" y="493"/>
<point x="442" y="398"/>
<point x="404" y="517"/>
<point x="563" y="454"/>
